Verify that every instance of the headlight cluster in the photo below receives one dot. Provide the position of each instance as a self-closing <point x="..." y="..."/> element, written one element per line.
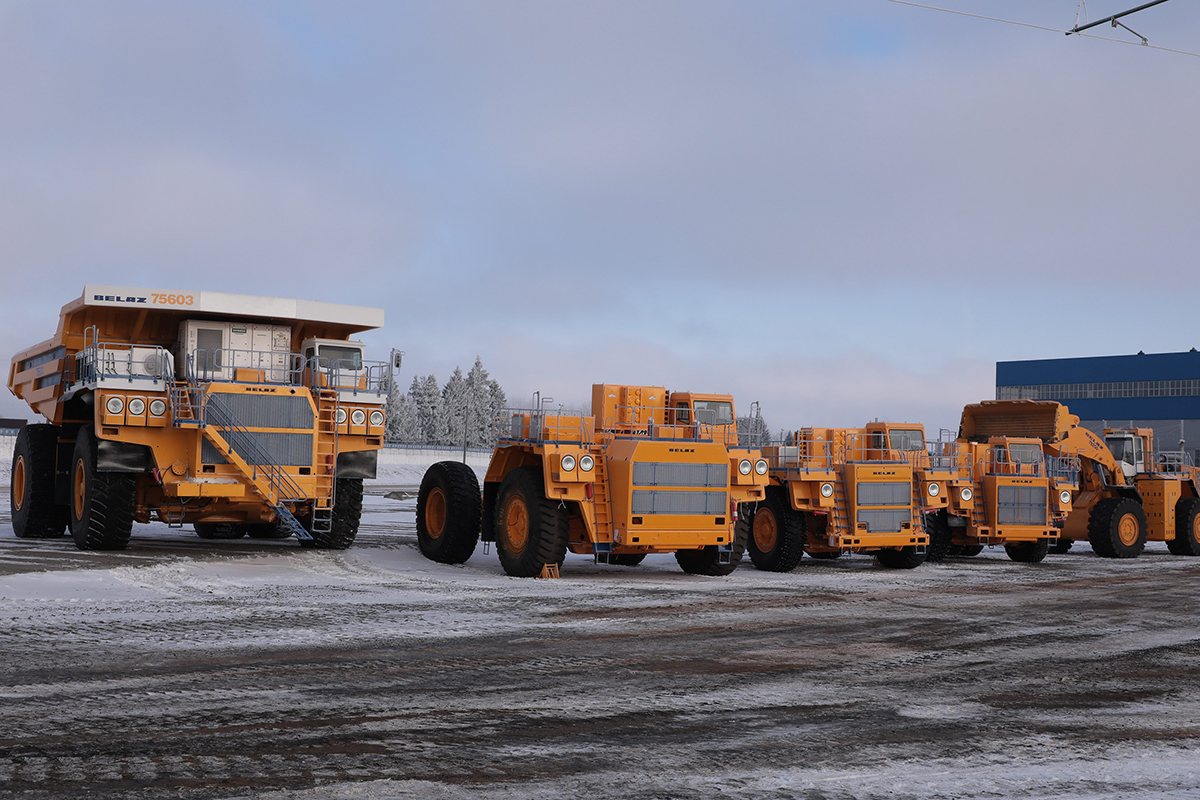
<point x="760" y="467"/>
<point x="359" y="416"/>
<point x="966" y="494"/>
<point x="1064" y="497"/>
<point x="585" y="463"/>
<point x="744" y="466"/>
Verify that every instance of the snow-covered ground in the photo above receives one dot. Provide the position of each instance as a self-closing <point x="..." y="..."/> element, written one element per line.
<point x="185" y="668"/>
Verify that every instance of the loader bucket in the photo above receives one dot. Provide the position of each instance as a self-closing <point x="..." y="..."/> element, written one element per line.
<point x="1042" y="419"/>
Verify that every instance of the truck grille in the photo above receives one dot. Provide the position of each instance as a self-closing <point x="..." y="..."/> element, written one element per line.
<point x="654" y="473"/>
<point x="885" y="494"/>
<point x="1021" y="505"/>
<point x="667" y="502"/>
<point x="269" y="410"/>
<point x="883" y="520"/>
<point x="284" y="449"/>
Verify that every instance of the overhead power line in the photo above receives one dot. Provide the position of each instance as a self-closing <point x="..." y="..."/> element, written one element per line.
<point x="1077" y="32"/>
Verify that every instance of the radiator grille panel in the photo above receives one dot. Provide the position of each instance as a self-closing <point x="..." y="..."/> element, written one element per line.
<point x="285" y="449"/>
<point x="1021" y="505"/>
<point x="884" y="520"/>
<point x="665" y="502"/>
<point x="885" y="494"/>
<point x="652" y="473"/>
<point x="268" y="410"/>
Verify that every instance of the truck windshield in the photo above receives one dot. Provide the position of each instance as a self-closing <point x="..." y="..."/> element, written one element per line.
<point x="713" y="412"/>
<point x="347" y="357"/>
<point x="906" y="440"/>
<point x="1121" y="447"/>
<point x="1025" y="453"/>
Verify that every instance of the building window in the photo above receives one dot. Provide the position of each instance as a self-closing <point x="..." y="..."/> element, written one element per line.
<point x="1100" y="391"/>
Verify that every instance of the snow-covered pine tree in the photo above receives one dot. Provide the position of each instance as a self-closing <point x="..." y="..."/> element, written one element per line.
<point x="427" y="397"/>
<point x="454" y="408"/>
<point x="479" y="401"/>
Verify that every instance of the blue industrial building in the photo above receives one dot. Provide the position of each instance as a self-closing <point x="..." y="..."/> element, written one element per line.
<point x="1159" y="391"/>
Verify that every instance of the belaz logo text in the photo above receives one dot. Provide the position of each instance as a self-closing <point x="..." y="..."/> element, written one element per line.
<point x="118" y="299"/>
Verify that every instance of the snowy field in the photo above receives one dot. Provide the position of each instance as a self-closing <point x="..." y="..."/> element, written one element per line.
<point x="192" y="669"/>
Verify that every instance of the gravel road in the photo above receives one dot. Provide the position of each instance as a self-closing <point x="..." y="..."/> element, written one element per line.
<point x="192" y="669"/>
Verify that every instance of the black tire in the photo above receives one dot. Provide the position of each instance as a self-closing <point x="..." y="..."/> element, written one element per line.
<point x="347" y="512"/>
<point x="1113" y="518"/>
<point x="35" y="515"/>
<point x="707" y="560"/>
<point x="1028" y="552"/>
<point x="955" y="550"/>
<point x="970" y="550"/>
<point x="449" y="510"/>
<point x="824" y="555"/>
<point x="627" y="559"/>
<point x="776" y="533"/>
<point x="218" y="530"/>
<point x="1187" y="528"/>
<point x="1061" y="546"/>
<point x="904" y="558"/>
<point x="937" y="528"/>
<point x="101" y="513"/>
<point x="531" y="530"/>
<point x="265" y="530"/>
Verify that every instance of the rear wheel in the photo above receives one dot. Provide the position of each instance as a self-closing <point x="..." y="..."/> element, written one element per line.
<point x="35" y="515"/>
<point x="937" y="528"/>
<point x="970" y="550"/>
<point x="101" y="502"/>
<point x="265" y="530"/>
<point x="1028" y="552"/>
<point x="904" y="558"/>
<point x="531" y="531"/>
<point x="707" y="560"/>
<point x="776" y="533"/>
<point x="449" y="508"/>
<point x="1117" y="528"/>
<point x="1061" y="546"/>
<point x="218" y="530"/>
<point x="1187" y="528"/>
<point x="626" y="559"/>
<point x="347" y="512"/>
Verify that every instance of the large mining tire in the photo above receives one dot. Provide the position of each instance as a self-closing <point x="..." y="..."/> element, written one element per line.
<point x="31" y="499"/>
<point x="531" y="530"/>
<point x="904" y="558"/>
<point x="937" y="528"/>
<point x="1187" y="528"/>
<point x="1117" y="528"/>
<point x="777" y="533"/>
<point x="218" y="530"/>
<point x="449" y="510"/>
<point x="1061" y="546"/>
<point x="347" y="512"/>
<point x="626" y="559"/>
<point x="101" y="511"/>
<point x="1028" y="552"/>
<point x="970" y="550"/>
<point x="707" y="560"/>
<point x="264" y="530"/>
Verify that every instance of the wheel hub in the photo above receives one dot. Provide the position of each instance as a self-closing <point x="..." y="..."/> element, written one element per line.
<point x="18" y="483"/>
<point x="765" y="530"/>
<point x="516" y="524"/>
<point x="435" y="514"/>
<point x="80" y="493"/>
<point x="1127" y="530"/>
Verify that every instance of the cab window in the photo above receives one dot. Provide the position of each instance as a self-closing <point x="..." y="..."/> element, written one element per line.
<point x="346" y="357"/>
<point x="713" y="412"/>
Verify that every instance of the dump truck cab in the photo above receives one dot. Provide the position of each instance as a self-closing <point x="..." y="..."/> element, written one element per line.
<point x="649" y="471"/>
<point x="841" y="490"/>
<point x="239" y="415"/>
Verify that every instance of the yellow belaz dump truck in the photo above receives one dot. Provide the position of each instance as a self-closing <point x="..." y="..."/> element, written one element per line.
<point x="650" y="471"/>
<point x="841" y="490"/>
<point x="240" y="415"/>
<point x="1127" y="494"/>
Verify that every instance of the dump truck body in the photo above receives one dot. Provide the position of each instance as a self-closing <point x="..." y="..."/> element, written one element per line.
<point x="841" y="490"/>
<point x="206" y="408"/>
<point x="649" y="471"/>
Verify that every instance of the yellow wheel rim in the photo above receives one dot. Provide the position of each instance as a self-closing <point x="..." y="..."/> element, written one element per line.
<point x="1127" y="530"/>
<point x="1196" y="528"/>
<point x="516" y="524"/>
<point x="18" y="483"/>
<point x="435" y="514"/>
<point x="766" y="532"/>
<point x="80" y="484"/>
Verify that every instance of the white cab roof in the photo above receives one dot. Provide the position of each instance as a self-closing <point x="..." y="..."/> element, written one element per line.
<point x="238" y="305"/>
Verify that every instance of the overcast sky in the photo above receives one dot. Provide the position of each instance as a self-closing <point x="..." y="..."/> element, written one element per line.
<point x="844" y="209"/>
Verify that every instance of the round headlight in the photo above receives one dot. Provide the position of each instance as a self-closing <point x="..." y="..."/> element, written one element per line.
<point x="1064" y="497"/>
<point x="137" y="406"/>
<point x="376" y="418"/>
<point x="744" y="467"/>
<point x="966" y="494"/>
<point x="934" y="490"/>
<point x="158" y="407"/>
<point x="115" y="405"/>
<point x="567" y="463"/>
<point x="341" y="416"/>
<point x="586" y="463"/>
<point x="760" y="467"/>
<point x="358" y="416"/>
<point x="826" y="490"/>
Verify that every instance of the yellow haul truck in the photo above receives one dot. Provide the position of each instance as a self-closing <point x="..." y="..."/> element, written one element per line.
<point x="240" y="415"/>
<point x="843" y="490"/>
<point x="1127" y="493"/>
<point x="650" y="471"/>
